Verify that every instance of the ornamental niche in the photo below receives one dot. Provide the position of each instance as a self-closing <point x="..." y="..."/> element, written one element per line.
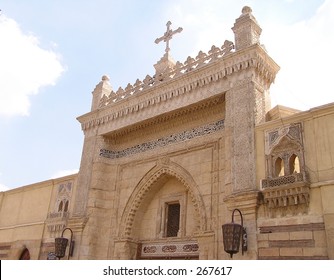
<point x="57" y="220"/>
<point x="286" y="188"/>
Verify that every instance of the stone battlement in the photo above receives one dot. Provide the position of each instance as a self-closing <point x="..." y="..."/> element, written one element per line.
<point x="201" y="60"/>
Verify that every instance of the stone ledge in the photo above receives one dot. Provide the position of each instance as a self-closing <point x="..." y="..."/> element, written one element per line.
<point x="293" y="258"/>
<point x="293" y="228"/>
<point x="291" y="243"/>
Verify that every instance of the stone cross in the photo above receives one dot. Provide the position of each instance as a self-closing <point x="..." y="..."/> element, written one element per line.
<point x="168" y="36"/>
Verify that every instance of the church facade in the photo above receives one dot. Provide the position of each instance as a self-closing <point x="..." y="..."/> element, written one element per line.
<point x="168" y="159"/>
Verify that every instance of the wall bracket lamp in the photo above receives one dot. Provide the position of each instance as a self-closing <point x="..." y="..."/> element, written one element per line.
<point x="233" y="234"/>
<point x="61" y="245"/>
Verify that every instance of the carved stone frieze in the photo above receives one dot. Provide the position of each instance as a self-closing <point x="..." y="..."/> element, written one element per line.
<point x="283" y="180"/>
<point x="164" y="141"/>
<point x="170" y="249"/>
<point x="273" y="137"/>
<point x="207" y="81"/>
<point x="57" y="221"/>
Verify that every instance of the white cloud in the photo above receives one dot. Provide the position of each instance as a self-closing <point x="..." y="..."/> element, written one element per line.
<point x="63" y="173"/>
<point x="24" y="68"/>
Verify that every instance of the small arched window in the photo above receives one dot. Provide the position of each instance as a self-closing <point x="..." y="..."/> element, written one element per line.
<point x="279" y="167"/>
<point x="66" y="206"/>
<point x="294" y="164"/>
<point x="60" y="206"/>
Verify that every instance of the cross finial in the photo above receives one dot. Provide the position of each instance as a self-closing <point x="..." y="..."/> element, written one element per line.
<point x="168" y="36"/>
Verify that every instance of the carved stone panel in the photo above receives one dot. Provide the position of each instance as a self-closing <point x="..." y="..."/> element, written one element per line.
<point x="175" y="249"/>
<point x="285" y="188"/>
<point x="57" y="219"/>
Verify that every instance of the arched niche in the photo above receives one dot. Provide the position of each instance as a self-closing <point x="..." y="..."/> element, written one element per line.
<point x="152" y="183"/>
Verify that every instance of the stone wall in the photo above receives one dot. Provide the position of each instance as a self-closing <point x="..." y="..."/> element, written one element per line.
<point x="295" y="218"/>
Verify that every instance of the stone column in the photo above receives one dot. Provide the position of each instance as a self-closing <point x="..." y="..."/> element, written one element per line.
<point x="247" y="203"/>
<point x="125" y="249"/>
<point x="206" y="244"/>
<point x="89" y="151"/>
<point x="247" y="102"/>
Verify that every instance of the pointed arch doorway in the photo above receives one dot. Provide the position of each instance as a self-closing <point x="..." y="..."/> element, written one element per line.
<point x="164" y="214"/>
<point x="25" y="255"/>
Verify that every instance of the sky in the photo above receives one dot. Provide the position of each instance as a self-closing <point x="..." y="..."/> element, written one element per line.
<point x="53" y="53"/>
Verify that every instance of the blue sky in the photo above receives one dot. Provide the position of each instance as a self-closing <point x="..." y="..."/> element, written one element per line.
<point x="53" y="53"/>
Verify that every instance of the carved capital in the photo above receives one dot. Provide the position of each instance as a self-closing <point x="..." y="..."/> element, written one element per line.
<point x="247" y="201"/>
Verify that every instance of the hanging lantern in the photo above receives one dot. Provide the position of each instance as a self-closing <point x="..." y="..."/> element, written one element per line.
<point x="233" y="234"/>
<point x="60" y="247"/>
<point x="61" y="244"/>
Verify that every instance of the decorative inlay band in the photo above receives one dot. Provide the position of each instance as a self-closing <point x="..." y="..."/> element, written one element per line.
<point x="174" y="249"/>
<point x="164" y="141"/>
<point x="283" y="180"/>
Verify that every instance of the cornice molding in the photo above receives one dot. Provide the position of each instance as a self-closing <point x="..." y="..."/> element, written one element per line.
<point x="156" y="95"/>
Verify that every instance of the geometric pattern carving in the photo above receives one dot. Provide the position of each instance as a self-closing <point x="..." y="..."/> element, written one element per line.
<point x="164" y="141"/>
<point x="174" y="249"/>
<point x="63" y="196"/>
<point x="283" y="180"/>
<point x="292" y="131"/>
<point x="285" y="189"/>
<point x="148" y="182"/>
<point x="57" y="220"/>
<point x="282" y="146"/>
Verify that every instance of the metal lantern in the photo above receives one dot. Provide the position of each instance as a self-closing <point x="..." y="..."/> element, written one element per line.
<point x="232" y="235"/>
<point x="61" y="245"/>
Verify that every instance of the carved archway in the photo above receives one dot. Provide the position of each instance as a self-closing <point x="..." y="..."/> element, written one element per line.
<point x="152" y="179"/>
<point x="25" y="255"/>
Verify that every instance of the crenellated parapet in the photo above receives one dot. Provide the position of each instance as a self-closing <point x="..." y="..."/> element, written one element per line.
<point x="180" y="69"/>
<point x="183" y="82"/>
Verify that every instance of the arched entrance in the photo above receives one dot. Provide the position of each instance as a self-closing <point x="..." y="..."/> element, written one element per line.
<point x="164" y="215"/>
<point x="25" y="255"/>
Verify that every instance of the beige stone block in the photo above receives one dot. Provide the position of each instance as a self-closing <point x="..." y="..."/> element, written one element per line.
<point x="206" y="189"/>
<point x="263" y="244"/>
<point x="6" y="234"/>
<point x="320" y="238"/>
<point x="315" y="205"/>
<point x="279" y="236"/>
<point x="268" y="252"/>
<point x="317" y="251"/>
<point x="300" y="235"/>
<point x="28" y="232"/>
<point x="206" y="167"/>
<point x="290" y="252"/>
<point x="327" y="193"/>
<point x="195" y="171"/>
<point x="263" y="236"/>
